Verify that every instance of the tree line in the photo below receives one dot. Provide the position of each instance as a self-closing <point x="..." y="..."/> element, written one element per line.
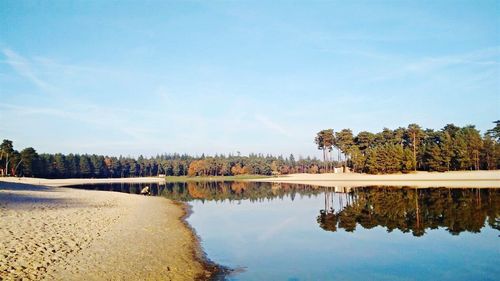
<point x="29" y="163"/>
<point x="451" y="148"/>
<point x="400" y="150"/>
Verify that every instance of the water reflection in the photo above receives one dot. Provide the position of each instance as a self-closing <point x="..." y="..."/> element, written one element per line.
<point x="412" y="210"/>
<point x="405" y="209"/>
<point x="235" y="191"/>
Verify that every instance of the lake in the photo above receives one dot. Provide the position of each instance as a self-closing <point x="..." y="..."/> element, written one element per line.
<point x="299" y="232"/>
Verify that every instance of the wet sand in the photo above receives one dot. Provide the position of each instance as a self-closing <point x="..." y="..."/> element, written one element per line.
<point x="49" y="233"/>
<point x="459" y="179"/>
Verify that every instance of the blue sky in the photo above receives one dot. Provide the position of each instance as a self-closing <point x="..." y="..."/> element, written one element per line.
<point x="147" y="77"/>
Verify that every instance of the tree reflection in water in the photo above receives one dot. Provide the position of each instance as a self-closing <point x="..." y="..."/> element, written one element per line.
<point x="412" y="210"/>
<point x="234" y="191"/>
<point x="407" y="209"/>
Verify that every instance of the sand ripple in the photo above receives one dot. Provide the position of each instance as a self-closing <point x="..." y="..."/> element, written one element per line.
<point x="67" y="234"/>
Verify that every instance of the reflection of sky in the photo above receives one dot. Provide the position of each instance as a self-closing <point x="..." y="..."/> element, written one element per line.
<point x="281" y="240"/>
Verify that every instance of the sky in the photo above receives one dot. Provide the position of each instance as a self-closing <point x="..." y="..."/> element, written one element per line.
<point x="151" y="77"/>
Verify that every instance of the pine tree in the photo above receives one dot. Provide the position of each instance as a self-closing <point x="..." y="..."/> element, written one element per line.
<point x="85" y="166"/>
<point x="372" y="165"/>
<point x="61" y="165"/>
<point x="434" y="159"/>
<point x="414" y="136"/>
<point x="30" y="162"/>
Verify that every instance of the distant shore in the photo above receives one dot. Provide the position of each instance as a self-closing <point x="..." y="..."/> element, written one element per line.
<point x="77" y="181"/>
<point x="70" y="234"/>
<point x="213" y="178"/>
<point x="459" y="179"/>
<point x="474" y="179"/>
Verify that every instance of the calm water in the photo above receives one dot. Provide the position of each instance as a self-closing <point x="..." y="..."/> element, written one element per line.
<point x="297" y="232"/>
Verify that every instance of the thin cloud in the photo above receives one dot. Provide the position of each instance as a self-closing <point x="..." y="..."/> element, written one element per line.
<point x="486" y="58"/>
<point x="271" y="125"/>
<point x="24" y="68"/>
<point x="28" y="110"/>
<point x="71" y="107"/>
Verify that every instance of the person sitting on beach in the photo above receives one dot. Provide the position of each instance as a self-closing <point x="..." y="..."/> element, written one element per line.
<point x="145" y="190"/>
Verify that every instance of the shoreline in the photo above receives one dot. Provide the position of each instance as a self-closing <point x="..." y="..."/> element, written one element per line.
<point x="455" y="179"/>
<point x="77" y="181"/>
<point x="56" y="233"/>
<point x="217" y="271"/>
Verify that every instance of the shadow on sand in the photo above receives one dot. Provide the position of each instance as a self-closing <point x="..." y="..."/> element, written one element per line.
<point x="23" y="187"/>
<point x="16" y="195"/>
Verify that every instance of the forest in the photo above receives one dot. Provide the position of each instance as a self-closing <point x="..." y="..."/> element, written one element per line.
<point x="29" y="163"/>
<point x="390" y="151"/>
<point x="451" y="148"/>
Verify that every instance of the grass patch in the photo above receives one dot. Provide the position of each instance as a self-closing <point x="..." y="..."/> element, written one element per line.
<point x="213" y="178"/>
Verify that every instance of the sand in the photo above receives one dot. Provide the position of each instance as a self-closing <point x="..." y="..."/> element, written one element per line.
<point x="460" y="179"/>
<point x="49" y="233"/>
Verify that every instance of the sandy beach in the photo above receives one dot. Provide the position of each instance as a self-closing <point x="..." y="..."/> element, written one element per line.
<point x="459" y="179"/>
<point x="50" y="233"/>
